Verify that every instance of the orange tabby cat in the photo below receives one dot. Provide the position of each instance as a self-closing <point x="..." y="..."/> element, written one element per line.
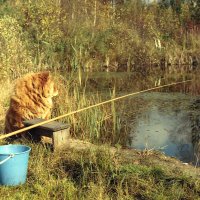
<point x="32" y="99"/>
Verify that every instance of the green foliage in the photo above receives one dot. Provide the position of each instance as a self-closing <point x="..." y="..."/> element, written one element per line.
<point x="88" y="35"/>
<point x="195" y="9"/>
<point x="14" y="56"/>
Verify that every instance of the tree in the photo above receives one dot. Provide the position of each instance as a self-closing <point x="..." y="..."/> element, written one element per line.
<point x="195" y="10"/>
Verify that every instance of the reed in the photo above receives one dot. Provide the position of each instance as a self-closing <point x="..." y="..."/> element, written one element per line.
<point x="94" y="124"/>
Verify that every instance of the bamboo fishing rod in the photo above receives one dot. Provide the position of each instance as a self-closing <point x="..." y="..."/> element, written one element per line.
<point x="86" y="108"/>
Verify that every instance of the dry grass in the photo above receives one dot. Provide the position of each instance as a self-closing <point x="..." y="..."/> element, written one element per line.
<point x="79" y="174"/>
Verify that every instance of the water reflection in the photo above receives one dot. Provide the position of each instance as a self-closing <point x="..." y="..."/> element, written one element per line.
<point x="165" y="126"/>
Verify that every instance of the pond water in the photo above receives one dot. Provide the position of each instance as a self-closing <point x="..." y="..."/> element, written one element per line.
<point x="158" y="120"/>
<point x="165" y="125"/>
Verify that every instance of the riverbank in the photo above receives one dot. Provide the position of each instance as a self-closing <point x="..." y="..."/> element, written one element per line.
<point x="102" y="173"/>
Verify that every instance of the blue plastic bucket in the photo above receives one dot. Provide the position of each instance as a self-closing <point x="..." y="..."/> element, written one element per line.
<point x="13" y="164"/>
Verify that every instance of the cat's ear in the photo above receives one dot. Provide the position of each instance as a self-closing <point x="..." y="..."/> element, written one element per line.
<point x="46" y="74"/>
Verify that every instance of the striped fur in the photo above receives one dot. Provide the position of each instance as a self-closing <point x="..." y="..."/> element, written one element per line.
<point x="32" y="99"/>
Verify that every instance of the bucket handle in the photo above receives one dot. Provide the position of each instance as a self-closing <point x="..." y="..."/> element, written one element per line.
<point x="3" y="161"/>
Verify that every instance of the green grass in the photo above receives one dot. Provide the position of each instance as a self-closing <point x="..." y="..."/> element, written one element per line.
<point x="99" y="174"/>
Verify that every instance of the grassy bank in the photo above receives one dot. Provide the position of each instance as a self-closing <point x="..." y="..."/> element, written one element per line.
<point x="98" y="173"/>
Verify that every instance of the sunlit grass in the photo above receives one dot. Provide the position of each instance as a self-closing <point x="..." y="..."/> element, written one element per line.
<point x="97" y="173"/>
